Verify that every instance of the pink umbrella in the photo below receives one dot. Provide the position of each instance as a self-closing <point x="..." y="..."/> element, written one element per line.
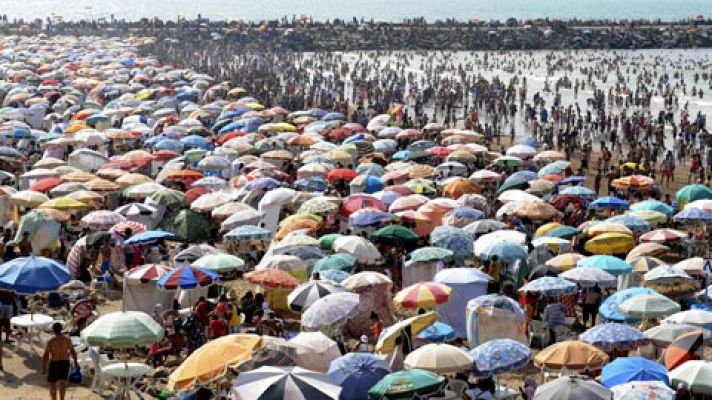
<point x="662" y="236"/>
<point x="147" y="273"/>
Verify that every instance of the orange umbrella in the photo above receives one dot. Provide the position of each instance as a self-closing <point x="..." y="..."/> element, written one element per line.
<point x="459" y="187"/>
<point x="423" y="295"/>
<point x="310" y="225"/>
<point x="683" y="349"/>
<point x="274" y="278"/>
<point x="186" y="174"/>
<point x="573" y="355"/>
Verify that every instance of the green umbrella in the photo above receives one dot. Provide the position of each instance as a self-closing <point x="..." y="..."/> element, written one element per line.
<point x="694" y="192"/>
<point x="349" y="148"/>
<point x="513" y="184"/>
<point x="406" y="384"/>
<point x="219" y="262"/>
<point x="430" y="254"/>
<point x="123" y="329"/>
<point x="340" y="261"/>
<point x="563" y="232"/>
<point x="695" y="374"/>
<point x="396" y="235"/>
<point x="508" y="161"/>
<point x="172" y="199"/>
<point x="649" y="306"/>
<point x="189" y="226"/>
<point x="326" y="242"/>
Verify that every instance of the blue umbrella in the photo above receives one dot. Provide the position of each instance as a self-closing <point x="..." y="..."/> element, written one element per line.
<point x="311" y="184"/>
<point x="96" y="118"/>
<point x="653" y="205"/>
<point x="402" y="155"/>
<point x="365" y="219"/>
<point x="633" y="369"/>
<point x="30" y="275"/>
<point x="334" y="275"/>
<point x="233" y="126"/>
<point x="387" y="197"/>
<point x="609" y="308"/>
<point x="465" y="212"/>
<point x="498" y="356"/>
<point x="580" y="191"/>
<point x="437" y="333"/>
<point x="531" y="142"/>
<point x="149" y="236"/>
<point x="169" y="144"/>
<point x="187" y="277"/>
<point x="613" y="336"/>
<point x="356" y="373"/>
<point x="572" y="179"/>
<point x="612" y="265"/>
<point x="604" y="203"/>
<point x="263" y="184"/>
<point x="249" y="232"/>
<point x="195" y="141"/>
<point x="693" y="215"/>
<point x="632" y="222"/>
<point x="505" y="251"/>
<point x="373" y="184"/>
<point x="150" y="141"/>
<point x="454" y="239"/>
<point x="550" y="286"/>
<point x="334" y="116"/>
<point x="422" y="145"/>
<point x="370" y="169"/>
<point x="523" y="175"/>
<point x="355" y="138"/>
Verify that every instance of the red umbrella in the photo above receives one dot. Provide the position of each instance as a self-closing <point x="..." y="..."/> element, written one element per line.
<point x="400" y="189"/>
<point x="165" y="155"/>
<point x="147" y="273"/>
<point x="342" y="173"/>
<point x="563" y="200"/>
<point x="136" y="227"/>
<point x="194" y="193"/>
<point x="230" y="135"/>
<point x="46" y="184"/>
<point x="360" y="201"/>
<point x="439" y="151"/>
<point x="340" y="133"/>
<point x="553" y="178"/>
<point x="275" y="278"/>
<point x="120" y="164"/>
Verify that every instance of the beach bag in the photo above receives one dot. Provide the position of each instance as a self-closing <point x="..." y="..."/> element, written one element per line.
<point x="75" y="376"/>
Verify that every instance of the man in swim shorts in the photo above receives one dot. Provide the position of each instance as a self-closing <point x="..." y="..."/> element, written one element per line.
<point x="55" y="362"/>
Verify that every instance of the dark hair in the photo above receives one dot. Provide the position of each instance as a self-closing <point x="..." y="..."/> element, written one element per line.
<point x="374" y="315"/>
<point x="57" y="328"/>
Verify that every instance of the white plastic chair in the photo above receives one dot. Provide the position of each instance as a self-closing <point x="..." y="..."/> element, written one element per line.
<point x="458" y="387"/>
<point x="99" y="362"/>
<point x="564" y="333"/>
<point x="537" y="329"/>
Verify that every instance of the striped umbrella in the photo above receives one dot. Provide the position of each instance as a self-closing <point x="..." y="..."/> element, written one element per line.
<point x="187" y="277"/>
<point x="136" y="209"/>
<point x="306" y="294"/>
<point x="565" y="261"/>
<point x="267" y="383"/>
<point x="609" y="308"/>
<point x="102" y="220"/>
<point x="123" y="329"/>
<point x="498" y="356"/>
<point x="270" y="354"/>
<point x="148" y="272"/>
<point x="249" y="232"/>
<point x="589" y="276"/>
<point x="423" y="295"/>
<point x="331" y="310"/>
<point x="123" y="226"/>
<point x="662" y="236"/>
<point x="648" y="306"/>
<point x="670" y="282"/>
<point x="683" y="349"/>
<point x="613" y="336"/>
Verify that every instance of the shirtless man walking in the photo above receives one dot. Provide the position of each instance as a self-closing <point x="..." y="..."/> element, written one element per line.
<point x="57" y="355"/>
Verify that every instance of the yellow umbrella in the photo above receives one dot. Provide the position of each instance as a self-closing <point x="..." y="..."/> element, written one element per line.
<point x="79" y="176"/>
<point x="610" y="243"/>
<point x="211" y="360"/>
<point x="607" y="227"/>
<point x="300" y="216"/>
<point x="132" y="179"/>
<point x="101" y="185"/>
<point x="387" y="341"/>
<point x="648" y="249"/>
<point x="111" y="173"/>
<point x="339" y="156"/>
<point x="572" y="355"/>
<point x="63" y="203"/>
<point x="566" y="261"/>
<point x="85" y="196"/>
<point x="644" y="264"/>
<point x="544" y="229"/>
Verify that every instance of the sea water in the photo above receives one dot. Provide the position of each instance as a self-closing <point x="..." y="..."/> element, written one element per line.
<point x="381" y="10"/>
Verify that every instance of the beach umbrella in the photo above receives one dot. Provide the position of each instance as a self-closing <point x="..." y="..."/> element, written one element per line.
<point x="30" y="275"/>
<point x="148" y="237"/>
<point x="304" y="295"/>
<point x="609" y="308"/>
<point x="194" y="252"/>
<point x="550" y="286"/>
<point x="359" y="247"/>
<point x="439" y="358"/>
<point x="396" y="235"/>
<point x="632" y="369"/>
<point x="589" y="276"/>
<point x="694" y="265"/>
<point x="664" y="334"/>
<point x="143" y="190"/>
<point x="101" y="220"/>
<point x="572" y="355"/>
<point x="147" y="273"/>
<point x="248" y="233"/>
<point x="483" y="226"/>
<point x="430" y="254"/>
<point x="579" y="191"/>
<point x="315" y="351"/>
<point x="610" y="243"/>
<point x="268" y="383"/>
<point x="694" y="192"/>
<point x="498" y="356"/>
<point x="612" y="265"/>
<point x="453" y="239"/>
<point x="572" y="388"/>
<point x="643" y="390"/>
<point x="653" y="218"/>
<point x="605" y="203"/>
<point x="653" y="205"/>
<point x="631" y="222"/>
<point x="692" y="317"/>
<point x="536" y="211"/>
<point x="565" y="261"/>
<point x="648" y="306"/>
<point x="645" y="263"/>
<point x="273" y="278"/>
<point x="406" y="385"/>
<point x="331" y="310"/>
<point x="28" y="198"/>
<point x="122" y="329"/>
<point x="187" y="277"/>
<point x="219" y="262"/>
<point x="693" y="215"/>
<point x="388" y="340"/>
<point x="340" y="262"/>
<point x="613" y="336"/>
<point x="423" y="295"/>
<point x="437" y="333"/>
<point x="274" y="352"/>
<point x="504" y="251"/>
<point x="662" y="236"/>
<point x="356" y="373"/>
<point x="670" y="282"/>
<point x="506" y="235"/>
<point x="683" y="348"/>
<point x="63" y="204"/>
<point x="210" y="361"/>
<point x="695" y="374"/>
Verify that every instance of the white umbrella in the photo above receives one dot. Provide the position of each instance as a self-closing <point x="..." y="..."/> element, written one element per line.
<point x="210" y="182"/>
<point x="489" y="239"/>
<point x="330" y="311"/>
<point x="692" y="317"/>
<point x="359" y="247"/>
<point x="210" y="201"/>
<point x="315" y="351"/>
<point x="517" y="195"/>
<point x="293" y="383"/>
<point x="439" y="358"/>
<point x="143" y="190"/>
<point x="244" y="217"/>
<point x="664" y="334"/>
